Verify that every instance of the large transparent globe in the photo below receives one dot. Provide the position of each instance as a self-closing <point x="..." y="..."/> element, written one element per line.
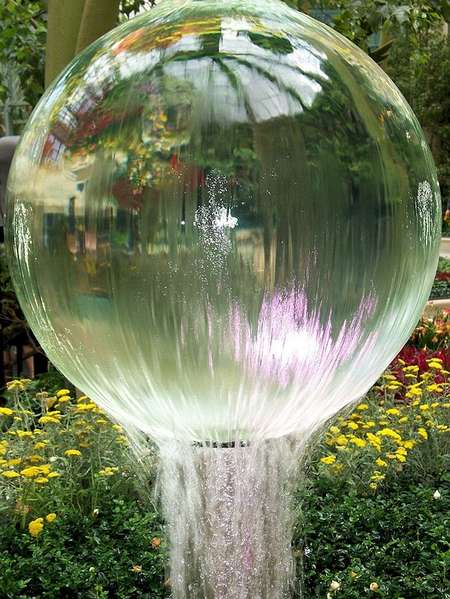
<point x="223" y="221"/>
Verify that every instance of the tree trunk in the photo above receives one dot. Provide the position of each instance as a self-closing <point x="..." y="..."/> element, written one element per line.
<point x="99" y="16"/>
<point x="73" y="25"/>
<point x="64" y="18"/>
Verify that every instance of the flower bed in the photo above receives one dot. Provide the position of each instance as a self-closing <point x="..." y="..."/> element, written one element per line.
<point x="373" y="508"/>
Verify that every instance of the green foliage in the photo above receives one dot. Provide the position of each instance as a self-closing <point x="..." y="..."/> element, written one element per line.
<point x="419" y="64"/>
<point x="397" y="540"/>
<point x="22" y="45"/>
<point x="360" y="19"/>
<point x="12" y="319"/>
<point x="87" y="556"/>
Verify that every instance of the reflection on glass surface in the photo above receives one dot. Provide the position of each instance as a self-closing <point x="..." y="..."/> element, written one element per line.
<point x="224" y="221"/>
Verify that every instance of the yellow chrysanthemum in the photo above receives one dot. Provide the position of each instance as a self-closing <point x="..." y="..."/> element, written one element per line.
<point x="352" y="425"/>
<point x="35" y="527"/>
<point x="422" y="433"/>
<point x="6" y="411"/>
<point x="330" y="459"/>
<point x="50" y="517"/>
<point x="434" y="388"/>
<point x="48" y="420"/>
<point x="35" y="459"/>
<point x="393" y="412"/>
<point x="31" y="471"/>
<point x="40" y="445"/>
<point x="62" y="392"/>
<point x="72" y="452"/>
<point x="358" y="442"/>
<point x="388" y="432"/>
<point x="10" y="474"/>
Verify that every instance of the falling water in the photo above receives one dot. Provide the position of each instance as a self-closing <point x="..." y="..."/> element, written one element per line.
<point x="229" y="518"/>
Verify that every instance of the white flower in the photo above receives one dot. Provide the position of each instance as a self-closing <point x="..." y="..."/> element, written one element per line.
<point x="335" y="585"/>
<point x="436" y="495"/>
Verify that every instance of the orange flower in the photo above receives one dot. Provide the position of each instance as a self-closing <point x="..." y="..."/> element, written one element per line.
<point x="155" y="542"/>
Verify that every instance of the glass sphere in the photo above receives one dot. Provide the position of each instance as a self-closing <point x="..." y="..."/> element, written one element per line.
<point x="223" y="221"/>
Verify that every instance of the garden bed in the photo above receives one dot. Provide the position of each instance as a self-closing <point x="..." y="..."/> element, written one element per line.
<point x="373" y="511"/>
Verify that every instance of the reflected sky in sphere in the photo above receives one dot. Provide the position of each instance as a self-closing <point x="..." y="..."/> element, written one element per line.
<point x="223" y="221"/>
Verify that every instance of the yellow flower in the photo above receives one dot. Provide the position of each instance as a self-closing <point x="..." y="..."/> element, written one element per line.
<point x="14" y="462"/>
<point x="72" y="452"/>
<point x="330" y="459"/>
<point x="389" y="377"/>
<point x="341" y="440"/>
<point x="393" y="386"/>
<point x="18" y="385"/>
<point x="434" y="388"/>
<point x="31" y="471"/>
<point x="40" y="445"/>
<point x="362" y="407"/>
<point x="63" y="399"/>
<point x="50" y="517"/>
<point x="381" y="463"/>
<point x="136" y="569"/>
<point x="103" y="421"/>
<point x="48" y="420"/>
<point x="22" y="434"/>
<point x="41" y="480"/>
<point x="422" y="433"/>
<point x="408" y="444"/>
<point x="393" y="412"/>
<point x="85" y="407"/>
<point x="403" y="419"/>
<point x="35" y="527"/>
<point x="374" y="440"/>
<point x="435" y="365"/>
<point x="35" y="459"/>
<point x="388" y="432"/>
<point x="374" y="587"/>
<point x="53" y="474"/>
<point x="424" y="407"/>
<point x="10" y="474"/>
<point x="352" y="425"/>
<point x="6" y="411"/>
<point x="62" y="392"/>
<point x="358" y="442"/>
<point x="426" y="376"/>
<point x="411" y="369"/>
